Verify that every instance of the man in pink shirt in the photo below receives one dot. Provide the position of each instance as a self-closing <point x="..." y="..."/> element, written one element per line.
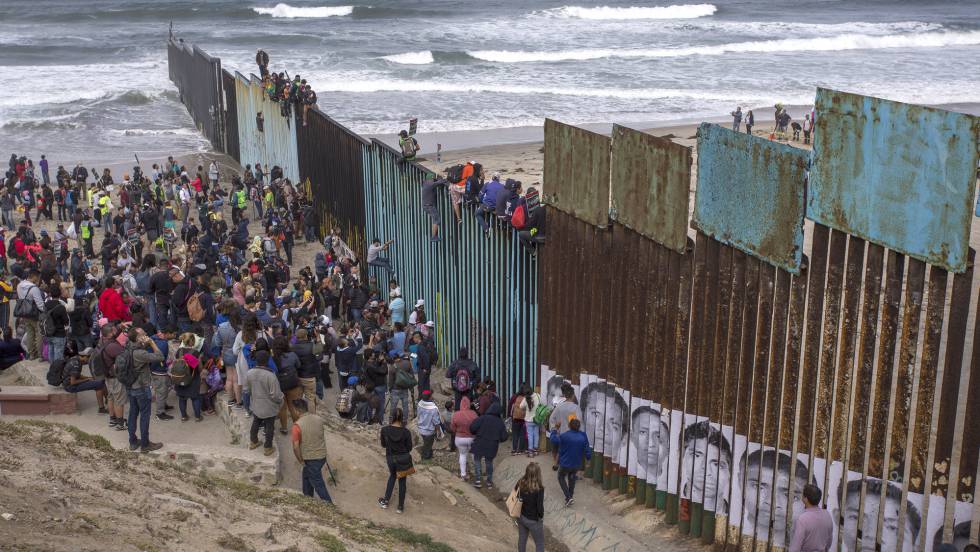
<point x="813" y="530"/>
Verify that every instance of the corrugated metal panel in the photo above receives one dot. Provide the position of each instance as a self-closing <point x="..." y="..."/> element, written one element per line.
<point x="198" y="80"/>
<point x="750" y="194"/>
<point x="280" y="137"/>
<point x="230" y="114"/>
<point x="896" y="174"/>
<point x="331" y="157"/>
<point x="251" y="142"/>
<point x="576" y="172"/>
<point x="651" y="179"/>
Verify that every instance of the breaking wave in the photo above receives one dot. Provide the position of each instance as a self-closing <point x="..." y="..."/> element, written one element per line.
<point x="680" y="11"/>
<point x="312" y="12"/>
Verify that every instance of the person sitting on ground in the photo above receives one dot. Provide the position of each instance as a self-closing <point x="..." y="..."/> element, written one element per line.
<point x="11" y="351"/>
<point x="75" y="382"/>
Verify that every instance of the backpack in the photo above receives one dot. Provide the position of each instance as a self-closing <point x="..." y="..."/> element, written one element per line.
<point x="96" y="363"/>
<point x="454" y="174"/>
<point x="181" y="373"/>
<point x="519" y="219"/>
<point x="404" y="380"/>
<point x="57" y="375"/>
<point x="143" y="282"/>
<point x="345" y="401"/>
<point x="472" y="192"/>
<point x="519" y="411"/>
<point x="125" y="368"/>
<point x="26" y="307"/>
<point x="46" y="322"/>
<point x="461" y="382"/>
<point x="195" y="311"/>
<point x="541" y="414"/>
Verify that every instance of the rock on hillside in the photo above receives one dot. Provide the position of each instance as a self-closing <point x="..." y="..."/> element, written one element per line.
<point x="62" y="489"/>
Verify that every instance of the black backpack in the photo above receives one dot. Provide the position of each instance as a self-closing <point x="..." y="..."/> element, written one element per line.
<point x="46" y="322"/>
<point x="125" y="368"/>
<point x="454" y="174"/>
<point x="57" y="376"/>
<point x="472" y="192"/>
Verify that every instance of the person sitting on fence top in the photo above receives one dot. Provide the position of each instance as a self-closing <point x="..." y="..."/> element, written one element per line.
<point x="510" y="193"/>
<point x="408" y="145"/>
<point x="488" y="202"/>
<point x="262" y="60"/>
<point x="528" y="220"/>
<point x="309" y="100"/>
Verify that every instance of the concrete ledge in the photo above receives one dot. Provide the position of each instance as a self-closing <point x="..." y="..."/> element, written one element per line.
<point x="33" y="372"/>
<point x="32" y="400"/>
<point x="228" y="462"/>
<point x="239" y="425"/>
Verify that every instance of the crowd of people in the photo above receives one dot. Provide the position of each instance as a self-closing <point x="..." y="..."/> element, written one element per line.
<point x="783" y="123"/>
<point x="289" y="94"/>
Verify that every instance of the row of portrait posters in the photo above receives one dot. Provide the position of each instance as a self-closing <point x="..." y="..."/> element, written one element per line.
<point x="755" y="489"/>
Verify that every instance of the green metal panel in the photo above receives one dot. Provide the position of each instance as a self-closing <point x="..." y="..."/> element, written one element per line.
<point x="576" y="172"/>
<point x="651" y="186"/>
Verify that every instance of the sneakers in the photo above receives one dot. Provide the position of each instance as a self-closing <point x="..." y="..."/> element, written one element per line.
<point x="199" y="419"/>
<point x="383" y="503"/>
<point x="399" y="511"/>
<point x="134" y="446"/>
<point x="477" y="483"/>
<point x="163" y="417"/>
<point x="233" y="402"/>
<point x="253" y="446"/>
<point x="489" y="484"/>
<point x="184" y="418"/>
<point x="103" y="410"/>
<point x="151" y="447"/>
<point x="168" y="407"/>
<point x="269" y="451"/>
<point x="569" y="501"/>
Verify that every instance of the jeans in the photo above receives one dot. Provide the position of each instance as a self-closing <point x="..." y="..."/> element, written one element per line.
<point x="56" y="348"/>
<point x="384" y="263"/>
<point x="161" y="311"/>
<point x="477" y="465"/>
<point x="396" y="396"/>
<point x="518" y="436"/>
<point x="258" y="209"/>
<point x="427" y="441"/>
<point x="162" y="385"/>
<point x="313" y="479"/>
<point x="480" y="212"/>
<point x="567" y="474"/>
<point x="8" y="219"/>
<point x="268" y="426"/>
<point x="391" y="485"/>
<point x="311" y="233"/>
<point x="535" y="528"/>
<point x="736" y="125"/>
<point x="184" y="324"/>
<point x="139" y="405"/>
<point x="195" y="403"/>
<point x="356" y="314"/>
<point x="533" y="435"/>
<point x="463" y="444"/>
<point x="32" y="338"/>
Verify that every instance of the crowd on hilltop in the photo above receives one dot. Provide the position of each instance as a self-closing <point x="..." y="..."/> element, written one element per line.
<point x="289" y="94"/>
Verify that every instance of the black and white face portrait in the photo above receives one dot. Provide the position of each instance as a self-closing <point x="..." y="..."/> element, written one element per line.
<point x="644" y="435"/>
<point x="770" y="493"/>
<point x="606" y="417"/>
<point x="868" y="521"/>
<point x="961" y="536"/>
<point x="553" y="390"/>
<point x="663" y="439"/>
<point x="706" y="465"/>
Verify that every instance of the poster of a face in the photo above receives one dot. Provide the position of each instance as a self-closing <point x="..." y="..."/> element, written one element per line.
<point x="706" y="465"/>
<point x="550" y="385"/>
<point x="961" y="536"/>
<point x="670" y="454"/>
<point x="644" y="446"/>
<point x="867" y="519"/>
<point x="622" y="401"/>
<point x="595" y="410"/>
<point x="770" y="493"/>
<point x="606" y="417"/>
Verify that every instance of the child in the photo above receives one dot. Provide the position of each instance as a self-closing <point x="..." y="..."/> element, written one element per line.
<point x="446" y="417"/>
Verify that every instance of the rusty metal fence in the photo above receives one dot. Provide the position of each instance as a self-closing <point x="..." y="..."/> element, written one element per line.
<point x="198" y="80"/>
<point x="723" y="364"/>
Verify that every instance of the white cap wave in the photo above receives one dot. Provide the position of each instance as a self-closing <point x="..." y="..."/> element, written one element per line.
<point x="819" y="44"/>
<point x="680" y="11"/>
<point x="411" y="58"/>
<point x="312" y="12"/>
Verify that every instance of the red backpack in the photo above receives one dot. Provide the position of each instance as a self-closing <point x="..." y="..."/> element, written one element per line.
<point x="519" y="219"/>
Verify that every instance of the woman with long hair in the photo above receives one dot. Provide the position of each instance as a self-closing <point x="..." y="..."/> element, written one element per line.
<point x="530" y="492"/>
<point x="397" y="442"/>
<point x="287" y="364"/>
<point x="223" y="339"/>
<point x="190" y="352"/>
<point x="532" y="400"/>
<point x="250" y="333"/>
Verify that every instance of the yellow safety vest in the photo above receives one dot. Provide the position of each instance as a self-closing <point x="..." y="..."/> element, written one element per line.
<point x="86" y="231"/>
<point x="104" y="205"/>
<point x="241" y="199"/>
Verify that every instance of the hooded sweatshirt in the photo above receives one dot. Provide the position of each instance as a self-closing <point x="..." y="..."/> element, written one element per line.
<point x="462" y="419"/>
<point x="489" y="431"/>
<point x="396" y="440"/>
<point x="428" y="417"/>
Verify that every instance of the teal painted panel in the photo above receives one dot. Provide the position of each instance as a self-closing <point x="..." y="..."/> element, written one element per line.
<point x="750" y="194"/>
<point x="899" y="175"/>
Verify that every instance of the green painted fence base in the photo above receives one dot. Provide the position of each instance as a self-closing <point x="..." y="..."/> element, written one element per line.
<point x="650" y="499"/>
<point x="640" y="491"/>
<point x="624" y="483"/>
<point x="589" y="468"/>
<point x="697" y="514"/>
<point x="671" y="506"/>
<point x="708" y="527"/>
<point x="610" y="479"/>
<point x="661" y="497"/>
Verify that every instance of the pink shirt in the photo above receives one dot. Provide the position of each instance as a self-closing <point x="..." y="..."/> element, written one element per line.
<point x="813" y="531"/>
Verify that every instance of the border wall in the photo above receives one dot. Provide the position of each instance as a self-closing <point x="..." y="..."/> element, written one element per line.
<point x="811" y="322"/>
<point x="480" y="291"/>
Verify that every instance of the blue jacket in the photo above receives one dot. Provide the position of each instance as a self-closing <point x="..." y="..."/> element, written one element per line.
<point x="490" y="192"/>
<point x="572" y="446"/>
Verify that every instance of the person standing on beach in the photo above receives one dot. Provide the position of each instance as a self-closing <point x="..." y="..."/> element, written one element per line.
<point x="737" y="118"/>
<point x="807" y="128"/>
<point x="44" y="170"/>
<point x="749" y="122"/>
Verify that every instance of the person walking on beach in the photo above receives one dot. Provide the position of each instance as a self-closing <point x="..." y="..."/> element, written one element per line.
<point x="530" y="492"/>
<point x="807" y="128"/>
<point x="310" y="449"/>
<point x="749" y="122"/>
<point x="737" y="118"/>
<point x="397" y="442"/>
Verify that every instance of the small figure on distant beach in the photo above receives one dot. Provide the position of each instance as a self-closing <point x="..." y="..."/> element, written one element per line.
<point x="807" y="128"/>
<point x="749" y="122"/>
<point x="737" y="118"/>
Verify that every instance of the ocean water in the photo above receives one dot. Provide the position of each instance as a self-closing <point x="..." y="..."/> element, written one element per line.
<point x="88" y="80"/>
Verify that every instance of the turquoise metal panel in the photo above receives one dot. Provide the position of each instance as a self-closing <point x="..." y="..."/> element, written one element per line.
<point x="750" y="194"/>
<point x="280" y="136"/>
<point x="899" y="175"/>
<point x="251" y="143"/>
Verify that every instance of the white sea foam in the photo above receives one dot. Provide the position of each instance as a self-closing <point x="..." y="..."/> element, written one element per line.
<point x="411" y="58"/>
<point x="819" y="44"/>
<point x="312" y="12"/>
<point x="680" y="11"/>
<point x="154" y="132"/>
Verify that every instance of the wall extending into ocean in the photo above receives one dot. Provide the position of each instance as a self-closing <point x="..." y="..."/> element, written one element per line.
<point x="721" y="360"/>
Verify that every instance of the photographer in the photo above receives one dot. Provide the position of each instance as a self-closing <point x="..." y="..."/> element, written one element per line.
<point x="346" y="355"/>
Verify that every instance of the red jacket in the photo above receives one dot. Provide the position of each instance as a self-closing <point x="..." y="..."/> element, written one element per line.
<point x="113" y="307"/>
